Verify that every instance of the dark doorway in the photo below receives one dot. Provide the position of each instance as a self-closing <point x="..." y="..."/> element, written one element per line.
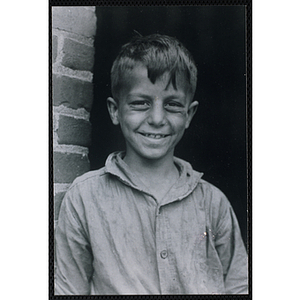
<point x="215" y="143"/>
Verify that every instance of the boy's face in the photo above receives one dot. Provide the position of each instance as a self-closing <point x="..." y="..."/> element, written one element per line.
<point x="153" y="117"/>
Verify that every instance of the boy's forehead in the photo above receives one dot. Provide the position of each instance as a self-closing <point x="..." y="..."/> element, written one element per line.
<point x="137" y="78"/>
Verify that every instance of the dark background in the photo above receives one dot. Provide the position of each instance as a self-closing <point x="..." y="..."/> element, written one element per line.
<point x="215" y="143"/>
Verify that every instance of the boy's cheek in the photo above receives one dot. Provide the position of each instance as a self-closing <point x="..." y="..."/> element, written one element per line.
<point x="130" y="123"/>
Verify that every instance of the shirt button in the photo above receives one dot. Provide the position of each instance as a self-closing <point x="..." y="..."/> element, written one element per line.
<point x="164" y="254"/>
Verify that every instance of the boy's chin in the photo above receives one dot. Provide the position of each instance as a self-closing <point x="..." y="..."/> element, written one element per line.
<point x="153" y="155"/>
<point x="150" y="155"/>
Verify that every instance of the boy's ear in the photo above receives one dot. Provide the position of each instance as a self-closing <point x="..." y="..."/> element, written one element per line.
<point x="191" y="112"/>
<point x="112" y="107"/>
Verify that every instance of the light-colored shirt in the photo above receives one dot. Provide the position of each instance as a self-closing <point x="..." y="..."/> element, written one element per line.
<point x="113" y="237"/>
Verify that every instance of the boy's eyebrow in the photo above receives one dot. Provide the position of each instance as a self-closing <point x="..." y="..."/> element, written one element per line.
<point x="177" y="95"/>
<point x="130" y="95"/>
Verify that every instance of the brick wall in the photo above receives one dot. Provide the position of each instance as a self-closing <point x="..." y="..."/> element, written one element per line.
<point x="73" y="31"/>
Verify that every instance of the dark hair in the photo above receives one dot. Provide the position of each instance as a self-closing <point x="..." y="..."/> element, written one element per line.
<point x="159" y="54"/>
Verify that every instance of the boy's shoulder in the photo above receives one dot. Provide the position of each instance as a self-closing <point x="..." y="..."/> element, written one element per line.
<point x="207" y="193"/>
<point x="209" y="186"/>
<point x="202" y="188"/>
<point x="89" y="177"/>
<point x="196" y="176"/>
<point x="214" y="199"/>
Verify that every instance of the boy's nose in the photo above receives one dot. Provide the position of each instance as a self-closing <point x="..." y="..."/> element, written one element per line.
<point x="157" y="115"/>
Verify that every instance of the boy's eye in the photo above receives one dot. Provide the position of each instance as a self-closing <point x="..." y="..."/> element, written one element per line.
<point x="140" y="104"/>
<point x="173" y="106"/>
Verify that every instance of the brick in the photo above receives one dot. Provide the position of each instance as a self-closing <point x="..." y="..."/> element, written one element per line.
<point x="68" y="166"/>
<point x="72" y="92"/>
<point x="54" y="48"/>
<point x="74" y="19"/>
<point x="73" y="131"/>
<point x="77" y="56"/>
<point x="58" y="197"/>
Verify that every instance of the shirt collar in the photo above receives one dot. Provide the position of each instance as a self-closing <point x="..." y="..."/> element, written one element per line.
<point x="186" y="183"/>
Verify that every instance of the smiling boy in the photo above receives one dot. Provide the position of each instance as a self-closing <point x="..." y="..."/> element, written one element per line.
<point x="147" y="223"/>
<point x="153" y="118"/>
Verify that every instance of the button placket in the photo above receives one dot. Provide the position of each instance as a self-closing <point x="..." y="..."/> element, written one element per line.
<point x="161" y="250"/>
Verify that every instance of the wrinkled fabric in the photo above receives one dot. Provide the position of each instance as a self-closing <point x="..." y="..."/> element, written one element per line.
<point x="113" y="237"/>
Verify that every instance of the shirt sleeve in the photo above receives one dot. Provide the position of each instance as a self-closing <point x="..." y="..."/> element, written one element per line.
<point x="73" y="252"/>
<point x="231" y="250"/>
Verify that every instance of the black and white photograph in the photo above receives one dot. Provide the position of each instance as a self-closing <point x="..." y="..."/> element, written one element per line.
<point x="151" y="150"/>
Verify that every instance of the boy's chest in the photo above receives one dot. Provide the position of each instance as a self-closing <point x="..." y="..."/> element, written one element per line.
<point x="136" y="221"/>
<point x="171" y="241"/>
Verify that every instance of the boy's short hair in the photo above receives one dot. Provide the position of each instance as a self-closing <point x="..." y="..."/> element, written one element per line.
<point x="159" y="54"/>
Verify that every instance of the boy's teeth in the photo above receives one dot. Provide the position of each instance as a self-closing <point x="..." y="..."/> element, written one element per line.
<point x="155" y="136"/>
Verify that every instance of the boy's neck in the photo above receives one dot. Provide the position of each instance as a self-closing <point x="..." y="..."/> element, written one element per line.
<point x="156" y="168"/>
<point x="155" y="174"/>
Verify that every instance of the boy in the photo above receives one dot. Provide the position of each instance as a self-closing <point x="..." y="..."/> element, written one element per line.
<point x="147" y="223"/>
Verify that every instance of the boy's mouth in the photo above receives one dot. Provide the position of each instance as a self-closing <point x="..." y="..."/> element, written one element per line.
<point x="154" y="136"/>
